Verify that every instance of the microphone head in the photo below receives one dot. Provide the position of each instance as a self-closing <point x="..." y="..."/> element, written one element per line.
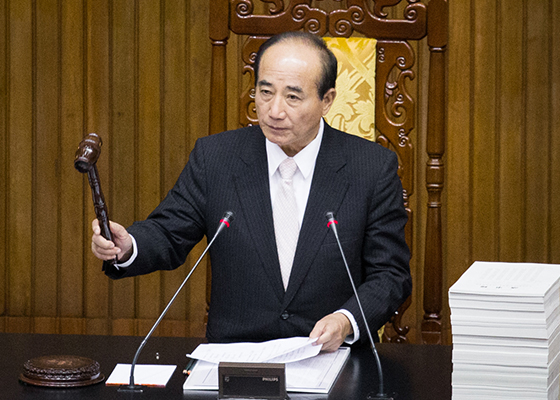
<point x="229" y="216"/>
<point x="332" y="222"/>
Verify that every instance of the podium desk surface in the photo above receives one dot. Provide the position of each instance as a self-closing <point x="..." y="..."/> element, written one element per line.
<point x="413" y="372"/>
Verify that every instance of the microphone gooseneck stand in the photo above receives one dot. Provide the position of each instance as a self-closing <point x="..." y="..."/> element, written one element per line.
<point x="132" y="387"/>
<point x="381" y="395"/>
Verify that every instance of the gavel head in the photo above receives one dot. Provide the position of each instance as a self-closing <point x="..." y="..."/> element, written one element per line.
<point x="88" y="153"/>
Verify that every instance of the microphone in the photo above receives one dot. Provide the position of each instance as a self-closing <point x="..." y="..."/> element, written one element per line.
<point x="381" y="395"/>
<point x="131" y="387"/>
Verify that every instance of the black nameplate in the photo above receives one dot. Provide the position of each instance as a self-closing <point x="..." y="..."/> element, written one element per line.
<point x="252" y="380"/>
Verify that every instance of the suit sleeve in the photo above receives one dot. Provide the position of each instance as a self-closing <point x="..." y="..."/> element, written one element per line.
<point x="169" y="233"/>
<point x="385" y="256"/>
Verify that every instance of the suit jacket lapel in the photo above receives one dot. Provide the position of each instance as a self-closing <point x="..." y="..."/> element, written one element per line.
<point x="253" y="188"/>
<point x="328" y="189"/>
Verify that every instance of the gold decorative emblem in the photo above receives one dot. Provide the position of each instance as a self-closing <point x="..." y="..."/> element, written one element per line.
<point x="353" y="110"/>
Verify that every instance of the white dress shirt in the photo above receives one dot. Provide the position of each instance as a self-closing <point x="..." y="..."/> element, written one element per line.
<point x="301" y="181"/>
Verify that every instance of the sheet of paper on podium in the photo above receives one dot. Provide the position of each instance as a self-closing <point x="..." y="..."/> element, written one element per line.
<point x="306" y="369"/>
<point x="505" y="321"/>
<point x="273" y="351"/>
<point x="144" y="374"/>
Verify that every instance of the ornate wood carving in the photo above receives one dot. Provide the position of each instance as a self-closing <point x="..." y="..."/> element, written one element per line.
<point x="394" y="120"/>
<point x="298" y="15"/>
<point x="395" y="108"/>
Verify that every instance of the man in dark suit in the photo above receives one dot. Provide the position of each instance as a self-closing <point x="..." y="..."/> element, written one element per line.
<point x="254" y="295"/>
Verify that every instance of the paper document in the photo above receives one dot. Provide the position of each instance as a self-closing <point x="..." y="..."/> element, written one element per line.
<point x="273" y="351"/>
<point x="144" y="374"/>
<point x="513" y="280"/>
<point x="505" y="324"/>
<point x="311" y="375"/>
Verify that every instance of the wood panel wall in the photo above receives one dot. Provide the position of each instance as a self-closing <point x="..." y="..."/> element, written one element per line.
<point x="137" y="73"/>
<point x="503" y="179"/>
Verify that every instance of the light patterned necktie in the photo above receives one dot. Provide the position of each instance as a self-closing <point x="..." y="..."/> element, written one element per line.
<point x="286" y="223"/>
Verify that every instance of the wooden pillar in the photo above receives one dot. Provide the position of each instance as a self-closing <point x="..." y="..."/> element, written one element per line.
<point x="435" y="147"/>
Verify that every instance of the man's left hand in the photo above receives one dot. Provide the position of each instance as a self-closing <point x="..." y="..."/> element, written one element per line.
<point x="331" y="331"/>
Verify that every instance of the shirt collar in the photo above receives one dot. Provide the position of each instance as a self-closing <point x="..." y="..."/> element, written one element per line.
<point x="305" y="159"/>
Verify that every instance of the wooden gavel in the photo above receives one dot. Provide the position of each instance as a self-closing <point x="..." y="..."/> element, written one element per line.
<point x="86" y="162"/>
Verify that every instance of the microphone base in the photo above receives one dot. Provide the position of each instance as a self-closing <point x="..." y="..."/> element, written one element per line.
<point x="131" y="388"/>
<point x="378" y="396"/>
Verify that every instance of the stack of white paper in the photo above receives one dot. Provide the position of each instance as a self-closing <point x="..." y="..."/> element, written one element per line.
<point x="505" y="321"/>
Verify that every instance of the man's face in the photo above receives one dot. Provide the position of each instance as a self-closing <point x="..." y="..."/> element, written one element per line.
<point x="288" y="106"/>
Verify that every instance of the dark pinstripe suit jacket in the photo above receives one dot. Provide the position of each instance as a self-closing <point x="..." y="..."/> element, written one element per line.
<point x="355" y="178"/>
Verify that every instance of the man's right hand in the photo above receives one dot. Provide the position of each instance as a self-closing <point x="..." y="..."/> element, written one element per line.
<point x="120" y="247"/>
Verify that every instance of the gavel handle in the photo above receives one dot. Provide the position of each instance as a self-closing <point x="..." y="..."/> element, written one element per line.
<point x="99" y="205"/>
